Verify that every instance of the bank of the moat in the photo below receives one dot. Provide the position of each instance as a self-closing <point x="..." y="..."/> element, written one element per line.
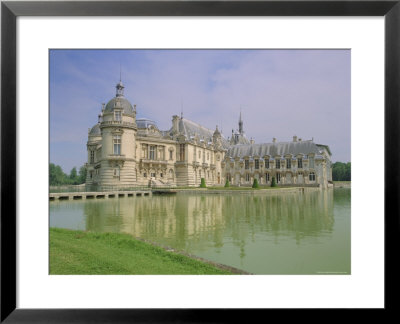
<point x="279" y="232"/>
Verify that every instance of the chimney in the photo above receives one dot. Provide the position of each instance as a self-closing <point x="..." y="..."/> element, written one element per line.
<point x="295" y="138"/>
<point x="251" y="140"/>
<point x="299" y="139"/>
<point x="175" y="124"/>
<point x="274" y="140"/>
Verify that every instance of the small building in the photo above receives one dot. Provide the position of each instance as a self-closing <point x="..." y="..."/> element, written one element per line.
<point x="125" y="151"/>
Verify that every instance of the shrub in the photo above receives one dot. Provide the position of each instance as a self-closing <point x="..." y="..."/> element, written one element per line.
<point x="203" y="183"/>
<point x="255" y="184"/>
<point x="273" y="182"/>
<point x="227" y="183"/>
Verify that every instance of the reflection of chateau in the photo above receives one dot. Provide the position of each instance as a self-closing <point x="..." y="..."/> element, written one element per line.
<point x="187" y="221"/>
<point x="125" y="151"/>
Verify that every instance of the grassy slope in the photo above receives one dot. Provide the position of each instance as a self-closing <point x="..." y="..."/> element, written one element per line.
<point x="77" y="252"/>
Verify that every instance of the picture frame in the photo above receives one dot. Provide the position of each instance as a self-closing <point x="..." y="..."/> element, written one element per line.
<point x="10" y="10"/>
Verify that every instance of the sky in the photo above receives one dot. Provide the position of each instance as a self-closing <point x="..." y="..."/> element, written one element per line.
<point x="280" y="93"/>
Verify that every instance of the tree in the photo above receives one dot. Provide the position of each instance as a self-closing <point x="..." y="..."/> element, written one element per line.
<point x="56" y="175"/>
<point x="255" y="184"/>
<point x="341" y="171"/>
<point x="82" y="174"/>
<point x="203" y="183"/>
<point x="227" y="184"/>
<point x="273" y="182"/>
<point x="73" y="176"/>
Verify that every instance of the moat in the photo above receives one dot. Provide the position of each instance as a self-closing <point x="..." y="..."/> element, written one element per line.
<point x="284" y="233"/>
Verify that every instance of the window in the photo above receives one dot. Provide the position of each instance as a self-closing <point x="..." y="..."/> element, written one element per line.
<point x="208" y="174"/>
<point x="278" y="177"/>
<point x="278" y="163"/>
<point x="152" y="154"/>
<point x="117" y="144"/>
<point x="92" y="157"/>
<point x="182" y="152"/>
<point x="288" y="163"/>
<point x="247" y="177"/>
<point x="116" y="172"/>
<point x="170" y="154"/>
<point x="267" y="177"/>
<point x="312" y="162"/>
<point x="300" y="163"/>
<point x="145" y="175"/>
<point x="246" y="164"/>
<point x="117" y="115"/>
<point x="161" y="175"/>
<point x="312" y="176"/>
<point x="153" y="175"/>
<point x="267" y="164"/>
<point x="257" y="164"/>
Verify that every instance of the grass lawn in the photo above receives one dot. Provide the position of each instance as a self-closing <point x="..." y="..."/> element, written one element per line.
<point x="78" y="252"/>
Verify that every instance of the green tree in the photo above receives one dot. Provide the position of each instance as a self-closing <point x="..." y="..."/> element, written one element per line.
<point x="273" y="182"/>
<point x="203" y="183"/>
<point x="341" y="171"/>
<point x="255" y="184"/>
<point x="227" y="184"/>
<point x="56" y="175"/>
<point x="82" y="174"/>
<point x="73" y="176"/>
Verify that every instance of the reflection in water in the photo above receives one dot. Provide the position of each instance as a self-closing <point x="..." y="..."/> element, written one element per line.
<point x="285" y="233"/>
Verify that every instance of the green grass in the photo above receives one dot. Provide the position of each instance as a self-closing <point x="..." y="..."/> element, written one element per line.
<point x="78" y="252"/>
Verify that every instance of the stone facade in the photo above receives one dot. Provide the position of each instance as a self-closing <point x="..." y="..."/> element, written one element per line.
<point x="124" y="151"/>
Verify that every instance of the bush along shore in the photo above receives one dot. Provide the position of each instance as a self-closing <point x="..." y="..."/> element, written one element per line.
<point x="79" y="252"/>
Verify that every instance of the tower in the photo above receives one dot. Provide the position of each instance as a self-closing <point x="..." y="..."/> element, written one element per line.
<point x="118" y="145"/>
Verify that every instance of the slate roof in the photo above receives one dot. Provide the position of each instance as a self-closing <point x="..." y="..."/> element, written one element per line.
<point x="95" y="131"/>
<point x="275" y="149"/>
<point x="121" y="100"/>
<point x="190" y="129"/>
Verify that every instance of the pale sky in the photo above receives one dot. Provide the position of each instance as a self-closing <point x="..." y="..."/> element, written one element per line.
<point x="281" y="93"/>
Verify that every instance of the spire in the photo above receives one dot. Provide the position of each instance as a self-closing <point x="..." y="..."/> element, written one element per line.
<point x="120" y="89"/>
<point x="240" y="122"/>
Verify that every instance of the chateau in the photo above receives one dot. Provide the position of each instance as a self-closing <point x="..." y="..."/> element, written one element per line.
<point x="125" y="151"/>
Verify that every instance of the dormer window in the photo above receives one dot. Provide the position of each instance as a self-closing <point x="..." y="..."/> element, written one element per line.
<point x="311" y="162"/>
<point x="117" y="115"/>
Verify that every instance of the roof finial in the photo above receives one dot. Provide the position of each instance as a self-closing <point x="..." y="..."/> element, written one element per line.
<point x="240" y="121"/>
<point x="181" y="109"/>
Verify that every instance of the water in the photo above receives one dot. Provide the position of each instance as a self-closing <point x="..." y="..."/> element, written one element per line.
<point x="290" y="233"/>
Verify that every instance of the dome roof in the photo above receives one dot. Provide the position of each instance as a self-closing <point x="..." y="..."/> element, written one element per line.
<point x="145" y="123"/>
<point x="119" y="102"/>
<point x="95" y="131"/>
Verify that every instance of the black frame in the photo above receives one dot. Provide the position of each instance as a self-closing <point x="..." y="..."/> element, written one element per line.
<point x="11" y="10"/>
